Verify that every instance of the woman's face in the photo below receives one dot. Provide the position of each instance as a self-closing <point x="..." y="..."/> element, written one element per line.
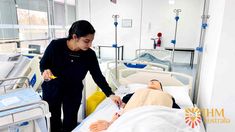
<point x="84" y="43"/>
<point x="154" y="85"/>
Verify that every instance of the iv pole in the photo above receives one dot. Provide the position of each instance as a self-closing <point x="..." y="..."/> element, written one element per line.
<point x="176" y="11"/>
<point x="204" y="25"/>
<point x="115" y="44"/>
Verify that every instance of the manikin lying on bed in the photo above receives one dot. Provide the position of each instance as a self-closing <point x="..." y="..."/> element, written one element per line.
<point x="153" y="95"/>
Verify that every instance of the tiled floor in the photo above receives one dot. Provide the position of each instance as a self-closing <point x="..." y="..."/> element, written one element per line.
<point x="184" y="68"/>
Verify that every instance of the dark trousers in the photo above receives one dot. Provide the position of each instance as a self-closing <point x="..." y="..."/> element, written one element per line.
<point x="60" y="97"/>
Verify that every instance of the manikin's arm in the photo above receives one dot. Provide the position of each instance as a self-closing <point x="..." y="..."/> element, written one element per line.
<point x="101" y="125"/>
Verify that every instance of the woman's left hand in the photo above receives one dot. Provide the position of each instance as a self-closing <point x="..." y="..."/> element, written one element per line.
<point x="116" y="99"/>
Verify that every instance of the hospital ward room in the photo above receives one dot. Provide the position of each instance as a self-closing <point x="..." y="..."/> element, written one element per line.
<point x="117" y="66"/>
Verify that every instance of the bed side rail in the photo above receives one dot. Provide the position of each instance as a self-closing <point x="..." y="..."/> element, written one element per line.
<point x="149" y="65"/>
<point x="170" y="74"/>
<point x="8" y="84"/>
<point x="111" y="71"/>
<point x="42" y="105"/>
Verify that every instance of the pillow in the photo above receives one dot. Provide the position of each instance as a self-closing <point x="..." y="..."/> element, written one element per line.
<point x="136" y="86"/>
<point x="129" y="88"/>
<point x="93" y="101"/>
<point x="181" y="95"/>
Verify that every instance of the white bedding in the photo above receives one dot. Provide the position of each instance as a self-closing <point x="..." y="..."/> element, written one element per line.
<point x="142" y="119"/>
<point x="152" y="119"/>
<point x="104" y="111"/>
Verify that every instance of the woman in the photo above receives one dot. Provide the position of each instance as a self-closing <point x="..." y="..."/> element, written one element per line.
<point x="64" y="65"/>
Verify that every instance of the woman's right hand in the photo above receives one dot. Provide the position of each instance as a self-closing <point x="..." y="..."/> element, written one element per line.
<point x="116" y="99"/>
<point x="47" y="75"/>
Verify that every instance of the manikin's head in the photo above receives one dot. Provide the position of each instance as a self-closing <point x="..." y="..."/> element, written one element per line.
<point x="155" y="84"/>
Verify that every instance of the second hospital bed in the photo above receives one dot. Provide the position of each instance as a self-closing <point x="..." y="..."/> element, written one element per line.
<point x="15" y="65"/>
<point x="158" y="56"/>
<point x="22" y="110"/>
<point x="147" y="118"/>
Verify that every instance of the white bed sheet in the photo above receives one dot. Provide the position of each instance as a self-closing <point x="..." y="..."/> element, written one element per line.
<point x="104" y="111"/>
<point x="143" y="119"/>
<point x="152" y="119"/>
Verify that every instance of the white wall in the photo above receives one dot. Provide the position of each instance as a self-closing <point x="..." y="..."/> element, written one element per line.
<point x="216" y="83"/>
<point x="101" y="17"/>
<point x="210" y="53"/>
<point x="158" y="16"/>
<point x="163" y="20"/>
<point x="83" y="9"/>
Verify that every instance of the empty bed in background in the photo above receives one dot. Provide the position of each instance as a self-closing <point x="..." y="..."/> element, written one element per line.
<point x="16" y="65"/>
<point x="159" y="56"/>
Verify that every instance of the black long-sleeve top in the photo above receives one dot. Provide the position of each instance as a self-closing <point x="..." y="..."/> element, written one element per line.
<point x="71" y="67"/>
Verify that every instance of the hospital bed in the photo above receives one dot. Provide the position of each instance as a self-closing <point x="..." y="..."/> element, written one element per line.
<point x="147" y="118"/>
<point x="111" y="70"/>
<point x="22" y="110"/>
<point x="17" y="65"/>
<point x="159" y="56"/>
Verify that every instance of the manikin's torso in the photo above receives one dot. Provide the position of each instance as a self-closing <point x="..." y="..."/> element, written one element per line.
<point x="149" y="97"/>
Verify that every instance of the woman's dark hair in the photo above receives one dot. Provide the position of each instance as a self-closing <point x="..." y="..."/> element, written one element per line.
<point x="81" y="28"/>
<point x="157" y="81"/>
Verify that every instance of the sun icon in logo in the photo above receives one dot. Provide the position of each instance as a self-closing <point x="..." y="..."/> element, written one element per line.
<point x="192" y="117"/>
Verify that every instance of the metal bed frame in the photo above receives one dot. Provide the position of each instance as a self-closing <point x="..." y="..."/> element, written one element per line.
<point x="13" y="118"/>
